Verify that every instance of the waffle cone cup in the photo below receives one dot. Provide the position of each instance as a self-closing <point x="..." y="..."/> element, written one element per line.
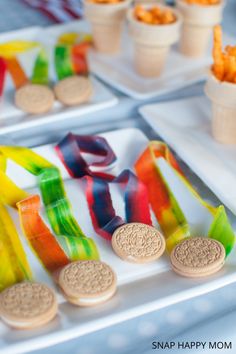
<point x="106" y="23"/>
<point x="223" y="99"/>
<point x="149" y="61"/>
<point x="198" y="24"/>
<point x="152" y="43"/>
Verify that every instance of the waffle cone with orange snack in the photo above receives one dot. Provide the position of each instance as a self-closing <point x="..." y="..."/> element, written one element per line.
<point x="199" y="18"/>
<point x="106" y="18"/>
<point x="153" y="30"/>
<point x="221" y="90"/>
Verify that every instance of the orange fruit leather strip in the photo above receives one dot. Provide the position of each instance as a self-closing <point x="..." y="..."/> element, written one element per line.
<point x="40" y="237"/>
<point x="16" y="71"/>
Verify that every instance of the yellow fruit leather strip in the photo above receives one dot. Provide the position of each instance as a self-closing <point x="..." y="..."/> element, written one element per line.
<point x="13" y="48"/>
<point x="14" y="265"/>
<point x="10" y="193"/>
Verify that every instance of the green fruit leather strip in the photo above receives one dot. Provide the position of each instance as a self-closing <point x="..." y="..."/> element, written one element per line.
<point x="57" y="205"/>
<point x="63" y="61"/>
<point x="221" y="229"/>
<point x="41" y="69"/>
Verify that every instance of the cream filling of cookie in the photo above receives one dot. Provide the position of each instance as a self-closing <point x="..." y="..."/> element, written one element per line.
<point x="21" y="324"/>
<point x="199" y="271"/>
<point x="95" y="300"/>
<point x="33" y="322"/>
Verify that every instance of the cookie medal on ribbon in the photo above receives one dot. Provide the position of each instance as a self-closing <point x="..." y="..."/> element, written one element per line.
<point x="135" y="241"/>
<point x="88" y="283"/>
<point x="197" y="257"/>
<point x="138" y="243"/>
<point x="28" y="305"/>
<point x="190" y="255"/>
<point x="23" y="303"/>
<point x="32" y="96"/>
<point x="64" y="242"/>
<point x="74" y="87"/>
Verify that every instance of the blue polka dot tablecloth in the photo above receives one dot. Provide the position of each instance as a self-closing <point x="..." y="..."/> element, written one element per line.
<point x="204" y="319"/>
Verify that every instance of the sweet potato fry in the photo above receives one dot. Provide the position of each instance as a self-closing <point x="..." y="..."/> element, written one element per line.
<point x="224" y="66"/>
<point x="203" y="2"/>
<point x="218" y="66"/>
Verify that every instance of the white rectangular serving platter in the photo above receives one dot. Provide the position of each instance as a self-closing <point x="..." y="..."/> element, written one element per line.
<point x="12" y="119"/>
<point x="186" y="126"/>
<point x="118" y="70"/>
<point x="141" y="288"/>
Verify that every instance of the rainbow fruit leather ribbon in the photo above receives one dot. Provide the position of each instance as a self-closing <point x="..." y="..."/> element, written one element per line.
<point x="71" y="55"/>
<point x="166" y="208"/>
<point x="70" y="242"/>
<point x="103" y="216"/>
<point x="14" y="265"/>
<point x="9" y="52"/>
<point x="102" y="213"/>
<point x="40" y="73"/>
<point x="70" y="151"/>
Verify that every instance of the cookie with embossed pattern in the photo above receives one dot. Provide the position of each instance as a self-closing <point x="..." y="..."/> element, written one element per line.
<point x="87" y="283"/>
<point x="138" y="243"/>
<point x="73" y="90"/>
<point x="28" y="305"/>
<point x="197" y="257"/>
<point x="34" y="99"/>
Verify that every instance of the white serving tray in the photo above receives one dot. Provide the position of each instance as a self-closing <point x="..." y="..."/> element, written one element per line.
<point x="142" y="288"/>
<point x="186" y="126"/>
<point x="13" y="119"/>
<point x="118" y="70"/>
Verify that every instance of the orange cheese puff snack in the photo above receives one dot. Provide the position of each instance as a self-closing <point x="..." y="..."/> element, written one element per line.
<point x="154" y="15"/>
<point x="168" y="17"/>
<point x="203" y="2"/>
<point x="142" y="14"/>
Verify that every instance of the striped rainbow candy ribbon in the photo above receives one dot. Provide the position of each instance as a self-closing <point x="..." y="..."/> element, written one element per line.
<point x="9" y="52"/>
<point x="165" y="206"/>
<point x="70" y="242"/>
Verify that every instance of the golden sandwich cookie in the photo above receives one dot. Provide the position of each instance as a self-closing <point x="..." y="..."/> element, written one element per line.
<point x="73" y="90"/>
<point x="197" y="257"/>
<point x="28" y="305"/>
<point x="87" y="283"/>
<point x="138" y="243"/>
<point x="34" y="99"/>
